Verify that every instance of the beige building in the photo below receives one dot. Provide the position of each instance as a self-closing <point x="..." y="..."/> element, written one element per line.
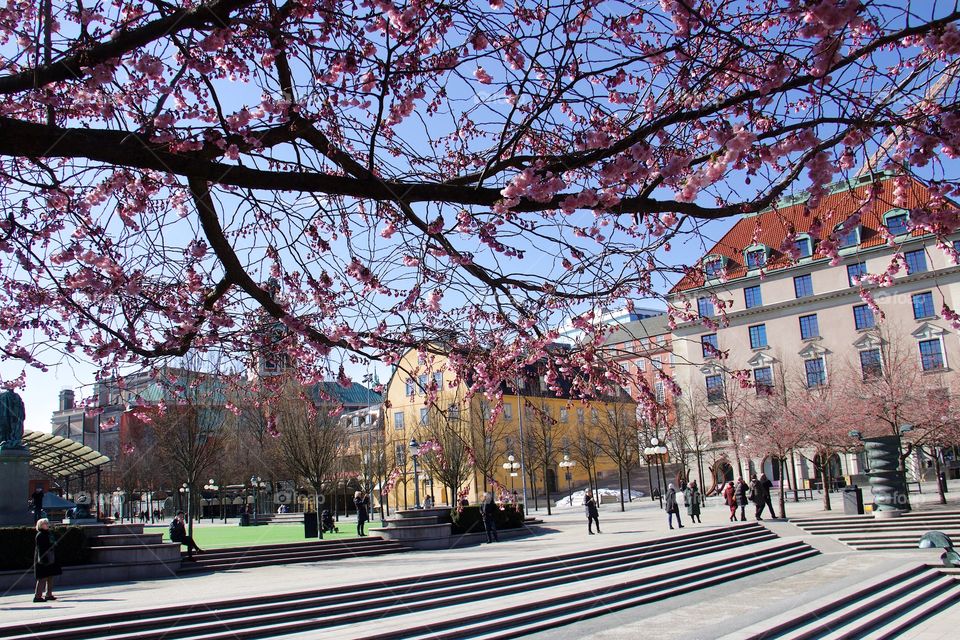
<point x="776" y="307"/>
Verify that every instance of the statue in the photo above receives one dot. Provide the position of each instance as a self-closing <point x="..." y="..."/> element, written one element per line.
<point x="11" y="421"/>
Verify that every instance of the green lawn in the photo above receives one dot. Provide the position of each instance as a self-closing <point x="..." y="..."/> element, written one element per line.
<point x="217" y="536"/>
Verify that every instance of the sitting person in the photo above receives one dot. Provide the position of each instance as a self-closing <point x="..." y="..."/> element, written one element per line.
<point x="178" y="533"/>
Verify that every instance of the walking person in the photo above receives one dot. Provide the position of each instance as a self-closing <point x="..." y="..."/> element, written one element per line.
<point x="730" y="499"/>
<point x="362" y="502"/>
<point x="37" y="498"/>
<point x="593" y="515"/>
<point x="178" y="533"/>
<point x="691" y="495"/>
<point x="768" y="488"/>
<point x="740" y="494"/>
<point x="45" y="565"/>
<point x="488" y="512"/>
<point x="671" y="506"/>
<point x="760" y="496"/>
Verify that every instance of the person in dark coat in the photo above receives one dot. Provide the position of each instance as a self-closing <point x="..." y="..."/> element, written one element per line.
<point x="768" y="489"/>
<point x="670" y="504"/>
<point x="760" y="495"/>
<point x="488" y="511"/>
<point x="362" y="503"/>
<point x="178" y="533"/>
<point x="729" y="497"/>
<point x="740" y="495"/>
<point x="45" y="565"/>
<point x="37" y="498"/>
<point x="691" y="495"/>
<point x="593" y="516"/>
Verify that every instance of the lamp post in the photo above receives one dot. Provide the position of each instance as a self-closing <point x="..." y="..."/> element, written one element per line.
<point x="258" y="485"/>
<point x="414" y="447"/>
<point x="655" y="453"/>
<point x="185" y="493"/>
<point x="213" y="488"/>
<point x="511" y="467"/>
<point x="120" y="502"/>
<point x="567" y="465"/>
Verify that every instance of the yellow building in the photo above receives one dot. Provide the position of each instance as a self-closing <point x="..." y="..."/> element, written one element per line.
<point x="464" y="443"/>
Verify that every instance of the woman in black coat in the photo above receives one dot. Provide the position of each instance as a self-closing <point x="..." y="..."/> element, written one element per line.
<point x="673" y="509"/>
<point x="593" y="516"/>
<point x="45" y="565"/>
<point x="740" y="495"/>
<point x="362" y="503"/>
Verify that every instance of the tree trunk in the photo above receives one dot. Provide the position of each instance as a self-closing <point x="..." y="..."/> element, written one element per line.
<point x="629" y="487"/>
<point x="620" y="479"/>
<point x="937" y="470"/>
<point x="825" y="476"/>
<point x="546" y="482"/>
<point x="783" y="501"/>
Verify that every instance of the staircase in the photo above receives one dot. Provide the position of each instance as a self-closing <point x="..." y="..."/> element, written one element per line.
<point x="276" y="554"/>
<point x="864" y="533"/>
<point x="278" y="518"/>
<point x="489" y="602"/>
<point x="878" y="609"/>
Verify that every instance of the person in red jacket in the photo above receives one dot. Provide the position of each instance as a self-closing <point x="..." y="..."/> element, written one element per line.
<point x="728" y="497"/>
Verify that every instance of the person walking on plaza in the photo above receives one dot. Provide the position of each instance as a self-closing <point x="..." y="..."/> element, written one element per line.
<point x="178" y="533"/>
<point x="691" y="495"/>
<point x="45" y="565"/>
<point x="672" y="507"/>
<point x="593" y="516"/>
<point x="740" y="494"/>
<point x="362" y="503"/>
<point x="488" y="512"/>
<point x="37" y="499"/>
<point x="768" y="489"/>
<point x="760" y="496"/>
<point x="730" y="499"/>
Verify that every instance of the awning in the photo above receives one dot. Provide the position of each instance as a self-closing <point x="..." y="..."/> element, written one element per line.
<point x="60" y="456"/>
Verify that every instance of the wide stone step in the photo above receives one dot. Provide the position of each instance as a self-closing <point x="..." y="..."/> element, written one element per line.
<point x="740" y="549"/>
<point x="395" y="523"/>
<point x="200" y="564"/>
<point x="126" y="539"/>
<point x="138" y="553"/>
<point x="893" y="601"/>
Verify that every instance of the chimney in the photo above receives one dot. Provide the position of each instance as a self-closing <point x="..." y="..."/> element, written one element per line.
<point x="66" y="399"/>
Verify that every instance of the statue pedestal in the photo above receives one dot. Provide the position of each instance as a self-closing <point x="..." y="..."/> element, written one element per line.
<point x="14" y="483"/>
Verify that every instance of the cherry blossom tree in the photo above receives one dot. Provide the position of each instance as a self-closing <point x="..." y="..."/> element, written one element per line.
<point x="461" y="177"/>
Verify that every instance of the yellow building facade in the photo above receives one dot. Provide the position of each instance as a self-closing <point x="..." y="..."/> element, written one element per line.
<point x="465" y="442"/>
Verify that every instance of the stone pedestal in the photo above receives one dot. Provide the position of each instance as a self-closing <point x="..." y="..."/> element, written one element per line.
<point x="14" y="485"/>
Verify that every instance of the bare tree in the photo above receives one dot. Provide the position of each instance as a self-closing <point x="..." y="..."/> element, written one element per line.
<point x="445" y="444"/>
<point x="617" y="437"/>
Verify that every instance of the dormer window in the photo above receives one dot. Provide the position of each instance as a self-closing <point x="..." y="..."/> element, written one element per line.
<point x="713" y="266"/>
<point x="804" y="247"/>
<point x="895" y="221"/>
<point x="756" y="257"/>
<point x="850" y="238"/>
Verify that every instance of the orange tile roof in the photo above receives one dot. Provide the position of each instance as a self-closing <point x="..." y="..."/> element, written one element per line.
<point x="771" y="227"/>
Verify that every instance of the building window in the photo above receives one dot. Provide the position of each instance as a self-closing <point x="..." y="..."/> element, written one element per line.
<point x="657" y="364"/>
<point x="580" y="416"/>
<point x="712" y="268"/>
<point x="897" y="224"/>
<point x="453" y="412"/>
<point x="849" y="239"/>
<point x="863" y="317"/>
<point x="641" y="365"/>
<point x="438" y="379"/>
<point x="398" y="420"/>
<point x="409" y="387"/>
<point x="922" y="305"/>
<point x="763" y="379"/>
<point x="423" y="381"/>
<point x="916" y="261"/>
<point x="816" y="372"/>
<point x="870" y="364"/>
<point x="804" y="249"/>
<point x="931" y="354"/>
<point x="709" y="346"/>
<point x="758" y="336"/>
<point x="400" y="453"/>
<point x="751" y="296"/>
<point x="705" y="307"/>
<point x="718" y="430"/>
<point x="594" y="417"/>
<point x="808" y="327"/>
<point x="424" y="415"/>
<point x="855" y="271"/>
<point x="756" y="258"/>
<point x="484" y="409"/>
<point x="803" y="286"/>
<point x="564" y="416"/>
<point x="658" y="390"/>
<point x="507" y="411"/>
<point x="356" y="421"/>
<point x="714" y="388"/>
